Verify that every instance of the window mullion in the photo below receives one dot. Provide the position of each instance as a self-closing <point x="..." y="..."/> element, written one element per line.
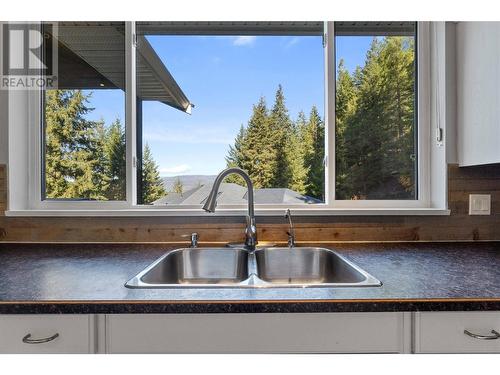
<point x="130" y="113"/>
<point x="330" y="114"/>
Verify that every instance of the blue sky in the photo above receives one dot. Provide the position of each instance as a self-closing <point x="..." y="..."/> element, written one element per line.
<point x="224" y="76"/>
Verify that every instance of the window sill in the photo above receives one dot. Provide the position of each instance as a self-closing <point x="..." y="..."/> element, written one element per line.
<point x="232" y="212"/>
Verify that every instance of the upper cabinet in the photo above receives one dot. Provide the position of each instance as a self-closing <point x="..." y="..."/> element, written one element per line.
<point x="478" y="92"/>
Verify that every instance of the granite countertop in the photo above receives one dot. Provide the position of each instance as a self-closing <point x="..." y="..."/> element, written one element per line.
<point x="86" y="278"/>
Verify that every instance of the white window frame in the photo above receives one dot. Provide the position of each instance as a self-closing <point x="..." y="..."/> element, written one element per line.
<point x="431" y="194"/>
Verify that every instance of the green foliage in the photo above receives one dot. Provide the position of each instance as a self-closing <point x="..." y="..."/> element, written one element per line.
<point x="85" y="159"/>
<point x="75" y="160"/>
<point x="313" y="143"/>
<point x="114" y="146"/>
<point x="375" y="124"/>
<point x="374" y="133"/>
<point x="178" y="187"/>
<point x="277" y="152"/>
<point x="152" y="186"/>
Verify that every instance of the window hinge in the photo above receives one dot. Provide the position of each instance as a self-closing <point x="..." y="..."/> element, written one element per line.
<point x="134" y="39"/>
<point x="325" y="161"/>
<point x="134" y="162"/>
<point x="325" y="38"/>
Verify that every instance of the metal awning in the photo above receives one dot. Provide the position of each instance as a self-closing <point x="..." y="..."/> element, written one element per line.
<point x="92" y="56"/>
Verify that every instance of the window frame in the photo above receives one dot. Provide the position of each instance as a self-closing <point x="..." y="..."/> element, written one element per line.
<point x="425" y="204"/>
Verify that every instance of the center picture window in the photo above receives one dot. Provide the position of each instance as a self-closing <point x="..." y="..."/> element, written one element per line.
<point x="223" y="97"/>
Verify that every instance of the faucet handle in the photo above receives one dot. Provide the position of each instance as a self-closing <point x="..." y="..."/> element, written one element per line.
<point x="194" y="239"/>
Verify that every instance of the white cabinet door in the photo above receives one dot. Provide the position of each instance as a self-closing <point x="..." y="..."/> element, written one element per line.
<point x="257" y="333"/>
<point x="47" y="334"/>
<point x="478" y="92"/>
<point x="443" y="332"/>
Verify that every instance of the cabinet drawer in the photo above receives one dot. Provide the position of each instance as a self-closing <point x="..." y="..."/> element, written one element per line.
<point x="255" y="333"/>
<point x="75" y="333"/>
<point x="443" y="332"/>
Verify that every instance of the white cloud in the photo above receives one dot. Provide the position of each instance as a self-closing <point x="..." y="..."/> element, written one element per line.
<point x="244" y="40"/>
<point x="292" y="42"/>
<point x="177" y="169"/>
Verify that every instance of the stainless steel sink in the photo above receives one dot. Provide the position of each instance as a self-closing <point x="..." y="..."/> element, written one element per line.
<point x="196" y="267"/>
<point x="266" y="268"/>
<point x="308" y="266"/>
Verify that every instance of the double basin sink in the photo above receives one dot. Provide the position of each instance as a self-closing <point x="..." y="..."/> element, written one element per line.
<point x="266" y="267"/>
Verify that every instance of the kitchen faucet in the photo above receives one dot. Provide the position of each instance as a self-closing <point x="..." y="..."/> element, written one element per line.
<point x="209" y="206"/>
<point x="291" y="232"/>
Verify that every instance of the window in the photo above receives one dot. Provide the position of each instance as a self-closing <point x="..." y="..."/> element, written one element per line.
<point x="258" y="105"/>
<point x="83" y="119"/>
<point x="321" y="115"/>
<point x="375" y="111"/>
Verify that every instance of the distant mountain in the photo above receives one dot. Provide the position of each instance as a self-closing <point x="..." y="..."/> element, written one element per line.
<point x="188" y="181"/>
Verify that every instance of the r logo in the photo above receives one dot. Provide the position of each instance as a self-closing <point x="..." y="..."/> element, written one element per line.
<point x="24" y="49"/>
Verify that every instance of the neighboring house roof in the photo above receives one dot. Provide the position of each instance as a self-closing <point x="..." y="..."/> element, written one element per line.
<point x="281" y="195"/>
<point x="230" y="193"/>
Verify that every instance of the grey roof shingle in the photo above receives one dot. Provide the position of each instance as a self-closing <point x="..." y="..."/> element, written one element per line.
<point x="230" y="193"/>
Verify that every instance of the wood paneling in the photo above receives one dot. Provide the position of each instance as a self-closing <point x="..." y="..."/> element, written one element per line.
<point x="3" y="189"/>
<point x="456" y="227"/>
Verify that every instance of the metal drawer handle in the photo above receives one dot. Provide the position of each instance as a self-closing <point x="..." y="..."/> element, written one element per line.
<point x="28" y="340"/>
<point x="495" y="335"/>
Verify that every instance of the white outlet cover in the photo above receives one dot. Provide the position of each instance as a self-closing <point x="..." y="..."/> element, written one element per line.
<point x="479" y="204"/>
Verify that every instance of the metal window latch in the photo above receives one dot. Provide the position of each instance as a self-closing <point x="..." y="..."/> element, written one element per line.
<point x="325" y="39"/>
<point x="439" y="135"/>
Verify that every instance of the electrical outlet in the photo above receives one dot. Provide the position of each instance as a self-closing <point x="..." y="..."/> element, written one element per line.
<point x="479" y="204"/>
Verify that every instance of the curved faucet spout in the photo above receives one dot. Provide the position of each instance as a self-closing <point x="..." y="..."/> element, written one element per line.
<point x="211" y="203"/>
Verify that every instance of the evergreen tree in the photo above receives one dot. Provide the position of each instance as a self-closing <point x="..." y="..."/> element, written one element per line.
<point x="75" y="162"/>
<point x="271" y="148"/>
<point x="376" y="123"/>
<point x="235" y="155"/>
<point x="152" y="185"/>
<point x="115" y="147"/>
<point x="178" y="186"/>
<point x="314" y="154"/>
<point x="345" y="105"/>
<point x="281" y="133"/>
<point x="257" y="154"/>
<point x="233" y="159"/>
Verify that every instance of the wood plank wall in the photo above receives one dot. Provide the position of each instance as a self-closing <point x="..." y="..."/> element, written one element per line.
<point x="3" y="189"/>
<point x="456" y="227"/>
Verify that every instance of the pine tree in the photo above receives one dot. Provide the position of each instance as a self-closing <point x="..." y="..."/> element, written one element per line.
<point x="115" y="154"/>
<point x="234" y="157"/>
<point x="314" y="154"/>
<point x="271" y="148"/>
<point x="397" y="60"/>
<point x="257" y="154"/>
<point x="280" y="131"/>
<point x="376" y="123"/>
<point x="178" y="187"/>
<point x="152" y="185"/>
<point x="345" y="105"/>
<point x="75" y="162"/>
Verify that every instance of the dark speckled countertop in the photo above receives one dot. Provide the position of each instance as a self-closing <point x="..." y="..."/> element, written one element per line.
<point x="86" y="278"/>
